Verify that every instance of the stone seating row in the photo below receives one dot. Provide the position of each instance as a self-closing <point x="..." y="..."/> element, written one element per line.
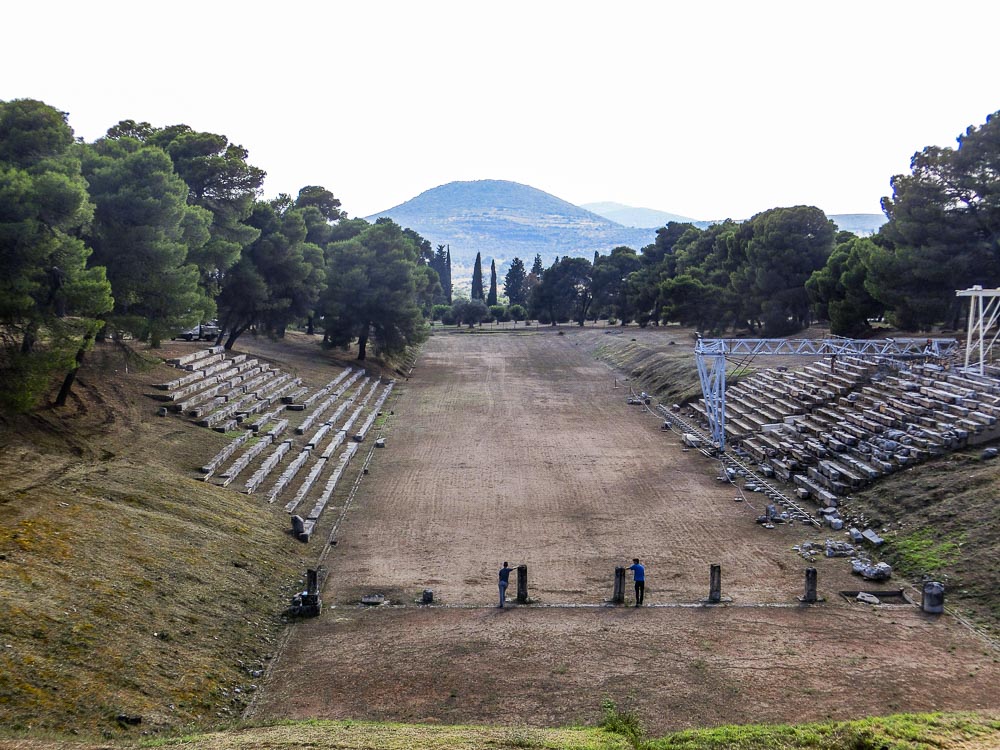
<point x="321" y="409"/>
<point x="934" y="413"/>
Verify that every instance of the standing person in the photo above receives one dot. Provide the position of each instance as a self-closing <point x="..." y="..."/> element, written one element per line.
<point x="639" y="576"/>
<point x="504" y="581"/>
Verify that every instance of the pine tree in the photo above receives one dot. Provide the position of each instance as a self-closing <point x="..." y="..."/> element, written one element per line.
<point x="477" y="279"/>
<point x="536" y="267"/>
<point x="514" y="283"/>
<point x="492" y="298"/>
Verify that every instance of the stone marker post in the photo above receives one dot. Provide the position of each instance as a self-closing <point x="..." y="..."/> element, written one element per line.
<point x="522" y="584"/>
<point x="715" y="584"/>
<point x="810" y="594"/>
<point x="619" y="594"/>
<point x="312" y="581"/>
<point x="298" y="526"/>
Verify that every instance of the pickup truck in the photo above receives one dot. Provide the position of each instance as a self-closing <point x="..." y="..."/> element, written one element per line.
<point x="203" y="332"/>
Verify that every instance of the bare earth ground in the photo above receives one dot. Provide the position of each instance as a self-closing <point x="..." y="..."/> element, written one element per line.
<point x="521" y="448"/>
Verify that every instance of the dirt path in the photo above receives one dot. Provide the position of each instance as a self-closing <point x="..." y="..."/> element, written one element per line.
<point x="520" y="448"/>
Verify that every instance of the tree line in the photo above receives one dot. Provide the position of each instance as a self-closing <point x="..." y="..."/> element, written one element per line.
<point x="784" y="268"/>
<point x="148" y="231"/>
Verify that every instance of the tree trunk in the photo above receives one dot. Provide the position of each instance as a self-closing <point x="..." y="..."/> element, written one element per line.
<point x="310" y="330"/>
<point x="67" y="384"/>
<point x="362" y="344"/>
<point x="234" y="334"/>
<point x="28" y="342"/>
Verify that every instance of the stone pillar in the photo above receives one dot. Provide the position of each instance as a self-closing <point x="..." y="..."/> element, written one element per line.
<point x="810" y="594"/>
<point x="715" y="584"/>
<point x="312" y="581"/>
<point x="522" y="584"/>
<point x="298" y="526"/>
<point x="619" y="594"/>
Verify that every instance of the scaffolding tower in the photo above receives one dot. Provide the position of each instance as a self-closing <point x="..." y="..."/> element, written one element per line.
<point x="984" y="310"/>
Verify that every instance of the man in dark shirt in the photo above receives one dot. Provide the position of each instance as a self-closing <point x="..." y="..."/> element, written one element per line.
<point x="639" y="575"/>
<point x="504" y="581"/>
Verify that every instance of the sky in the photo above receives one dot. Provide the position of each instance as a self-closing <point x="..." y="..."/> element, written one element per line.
<point x="705" y="109"/>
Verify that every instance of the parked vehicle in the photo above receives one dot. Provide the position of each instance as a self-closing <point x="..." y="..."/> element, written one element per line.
<point x="203" y="332"/>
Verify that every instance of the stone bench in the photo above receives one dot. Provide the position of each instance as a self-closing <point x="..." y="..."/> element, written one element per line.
<point x="306" y="485"/>
<point x="193" y="356"/>
<point x="267" y="466"/>
<point x="287" y="475"/>
<point x="225" y="453"/>
<point x="331" y="482"/>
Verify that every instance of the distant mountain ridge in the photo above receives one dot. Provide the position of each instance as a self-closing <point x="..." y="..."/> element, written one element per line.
<point x="503" y="219"/>
<point x="632" y="216"/>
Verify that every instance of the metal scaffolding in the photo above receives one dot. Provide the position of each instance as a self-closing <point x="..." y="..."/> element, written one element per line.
<point x="984" y="310"/>
<point x="711" y="356"/>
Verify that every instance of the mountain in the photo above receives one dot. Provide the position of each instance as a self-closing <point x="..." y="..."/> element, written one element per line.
<point x="502" y="219"/>
<point x="630" y="216"/>
<point x="860" y="224"/>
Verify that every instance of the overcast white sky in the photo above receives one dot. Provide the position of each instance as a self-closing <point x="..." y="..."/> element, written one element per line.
<point x="705" y="109"/>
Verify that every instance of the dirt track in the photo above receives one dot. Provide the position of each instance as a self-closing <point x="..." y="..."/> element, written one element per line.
<point x="521" y="448"/>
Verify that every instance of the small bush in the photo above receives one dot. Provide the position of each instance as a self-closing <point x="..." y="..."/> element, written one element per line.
<point x="622" y="722"/>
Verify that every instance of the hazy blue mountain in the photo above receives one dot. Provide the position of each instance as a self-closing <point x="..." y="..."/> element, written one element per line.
<point x="631" y="216"/>
<point x="503" y="219"/>
<point x="860" y="224"/>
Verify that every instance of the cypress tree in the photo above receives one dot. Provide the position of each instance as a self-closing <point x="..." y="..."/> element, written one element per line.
<point x="492" y="298"/>
<point x="448" y="273"/>
<point x="477" y="278"/>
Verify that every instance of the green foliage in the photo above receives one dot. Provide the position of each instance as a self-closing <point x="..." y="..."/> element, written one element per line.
<point x="516" y="313"/>
<point x="491" y="297"/>
<point x="49" y="297"/>
<point x="477" y="279"/>
<point x="621" y="722"/>
<point x="899" y="732"/>
<point x="498" y="313"/>
<point x="515" y="283"/>
<point x="441" y="312"/>
<point x="143" y="232"/>
<point x="920" y="553"/>
<point x="565" y="291"/>
<point x="469" y="312"/>
<point x="838" y="290"/>
<point x="372" y="291"/>
<point x="943" y="232"/>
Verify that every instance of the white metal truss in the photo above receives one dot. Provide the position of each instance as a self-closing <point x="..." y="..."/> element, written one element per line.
<point x="984" y="310"/>
<point x="711" y="354"/>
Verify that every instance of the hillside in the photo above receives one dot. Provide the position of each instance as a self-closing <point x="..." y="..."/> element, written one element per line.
<point x="860" y="224"/>
<point x="129" y="586"/>
<point x="503" y="220"/>
<point x="632" y="216"/>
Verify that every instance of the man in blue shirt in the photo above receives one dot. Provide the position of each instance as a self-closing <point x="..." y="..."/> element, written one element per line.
<point x="504" y="581"/>
<point x="639" y="576"/>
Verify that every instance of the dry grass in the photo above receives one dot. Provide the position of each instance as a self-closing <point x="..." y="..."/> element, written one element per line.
<point x="127" y="586"/>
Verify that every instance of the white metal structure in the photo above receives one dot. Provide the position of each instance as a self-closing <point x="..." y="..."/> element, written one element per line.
<point x="984" y="309"/>
<point x="711" y="355"/>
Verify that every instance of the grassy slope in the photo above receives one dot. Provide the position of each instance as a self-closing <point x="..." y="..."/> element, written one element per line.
<point x="127" y="586"/>
<point x="902" y="732"/>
